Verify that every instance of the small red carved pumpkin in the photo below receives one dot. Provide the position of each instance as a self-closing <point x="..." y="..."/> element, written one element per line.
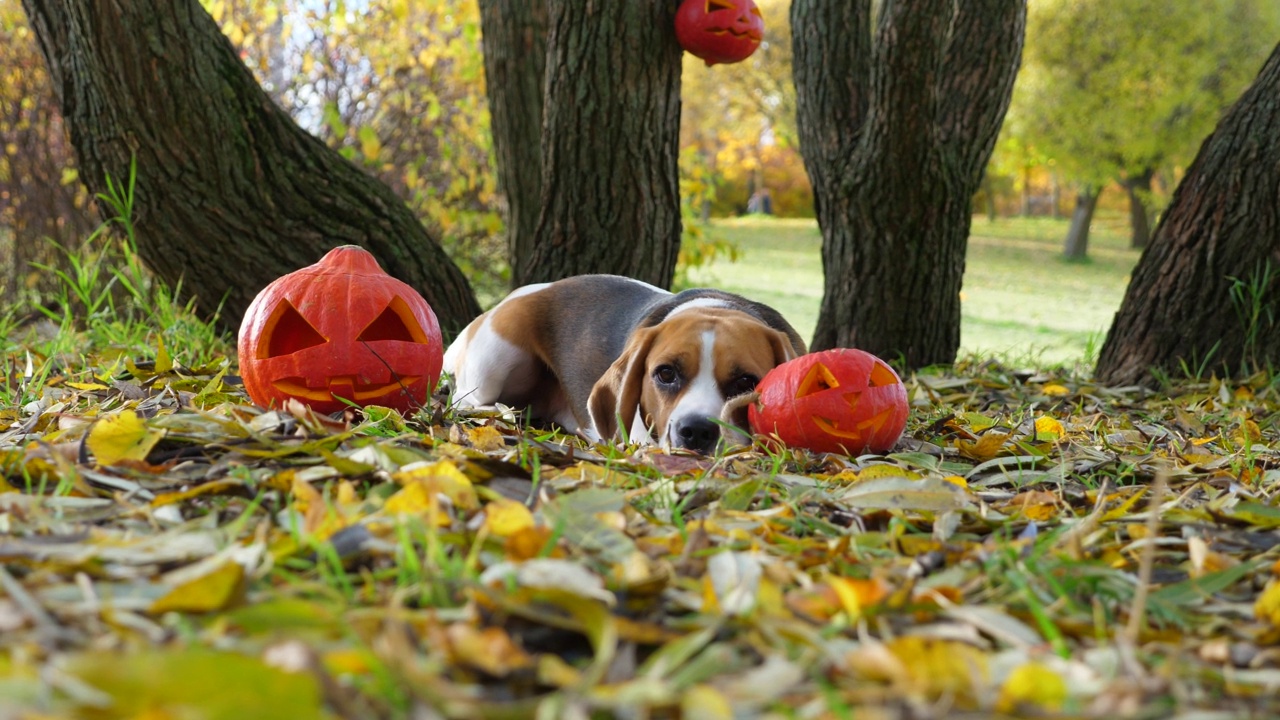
<point x="719" y="31"/>
<point x="840" y="400"/>
<point x="341" y="329"/>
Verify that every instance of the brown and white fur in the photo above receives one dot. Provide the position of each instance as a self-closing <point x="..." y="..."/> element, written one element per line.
<point x="588" y="350"/>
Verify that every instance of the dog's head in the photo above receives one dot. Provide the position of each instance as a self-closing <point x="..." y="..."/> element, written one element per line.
<point x="676" y="376"/>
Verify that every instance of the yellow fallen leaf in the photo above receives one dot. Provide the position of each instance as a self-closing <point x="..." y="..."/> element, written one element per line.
<point x="88" y="386"/>
<point x="1032" y="686"/>
<point x="1055" y="390"/>
<point x="348" y="661"/>
<point x="704" y="701"/>
<point x="212" y="591"/>
<point x="984" y="448"/>
<point x="319" y="518"/>
<point x="504" y="518"/>
<point x="123" y="436"/>
<point x="490" y="650"/>
<point x="442" y="477"/>
<point x="530" y="543"/>
<point x="1049" y="426"/>
<point x="1038" y="505"/>
<point x="1125" y="507"/>
<point x="939" y="668"/>
<point x="556" y="672"/>
<point x="873" y="472"/>
<point x="1267" y="606"/>
<point x="225" y="486"/>
<point x="1248" y="434"/>
<point x="164" y="363"/>
<point x="417" y="499"/>
<point x="855" y="594"/>
<point x="486" y="438"/>
<point x="957" y="480"/>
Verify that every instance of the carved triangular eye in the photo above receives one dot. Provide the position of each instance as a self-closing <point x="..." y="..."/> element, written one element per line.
<point x="290" y="332"/>
<point x="819" y="378"/>
<point x="881" y="375"/>
<point x="396" y="322"/>
<point x="718" y="5"/>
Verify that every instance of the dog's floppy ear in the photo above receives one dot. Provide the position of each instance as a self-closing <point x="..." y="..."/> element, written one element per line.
<point x="617" y="393"/>
<point x="783" y="348"/>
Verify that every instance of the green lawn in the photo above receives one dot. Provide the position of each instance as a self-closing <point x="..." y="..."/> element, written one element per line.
<point x="1021" y="300"/>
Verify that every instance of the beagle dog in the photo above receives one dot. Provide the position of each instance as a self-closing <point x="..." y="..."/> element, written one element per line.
<point x="600" y="353"/>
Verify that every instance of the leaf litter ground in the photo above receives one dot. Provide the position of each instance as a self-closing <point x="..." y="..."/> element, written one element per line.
<point x="169" y="551"/>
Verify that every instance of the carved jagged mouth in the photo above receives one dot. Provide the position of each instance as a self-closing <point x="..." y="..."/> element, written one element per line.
<point x="861" y="430"/>
<point x="345" y="387"/>
<point x="748" y="33"/>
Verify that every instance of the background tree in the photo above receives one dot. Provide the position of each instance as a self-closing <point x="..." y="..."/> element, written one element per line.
<point x="231" y="193"/>
<point x="738" y="125"/>
<point x="610" y="190"/>
<point x="895" y="135"/>
<point x="515" y="50"/>
<point x="40" y="199"/>
<point x="399" y="90"/>
<point x="1118" y="91"/>
<point x="1203" y="297"/>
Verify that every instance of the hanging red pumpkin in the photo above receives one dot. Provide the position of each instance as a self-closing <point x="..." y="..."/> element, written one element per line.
<point x="840" y="400"/>
<point x="342" y="329"/>
<point x="719" y="31"/>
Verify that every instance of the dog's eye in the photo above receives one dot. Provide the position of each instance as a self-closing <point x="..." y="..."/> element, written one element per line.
<point x="742" y="384"/>
<point x="665" y="375"/>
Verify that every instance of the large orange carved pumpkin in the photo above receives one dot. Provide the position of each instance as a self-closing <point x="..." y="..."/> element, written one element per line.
<point x="840" y="400"/>
<point x="340" y="330"/>
<point x="719" y="31"/>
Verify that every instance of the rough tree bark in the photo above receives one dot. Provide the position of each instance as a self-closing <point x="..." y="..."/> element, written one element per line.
<point x="895" y="135"/>
<point x="610" y="143"/>
<point x="1076" y="246"/>
<point x="515" y="61"/>
<point x="230" y="193"/>
<point x="1223" y="223"/>
<point x="1138" y="186"/>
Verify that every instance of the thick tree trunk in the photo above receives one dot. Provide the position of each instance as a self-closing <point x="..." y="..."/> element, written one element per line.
<point x="1222" y="229"/>
<point x="515" y="61"/>
<point x="1137" y="186"/>
<point x="230" y="193"/>
<point x="895" y="140"/>
<point x="610" y="197"/>
<point x="1076" y="246"/>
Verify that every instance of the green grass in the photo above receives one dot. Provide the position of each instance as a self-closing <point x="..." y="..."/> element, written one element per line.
<point x="1021" y="300"/>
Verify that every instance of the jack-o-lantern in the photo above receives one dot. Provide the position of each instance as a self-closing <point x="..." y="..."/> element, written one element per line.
<point x="840" y="400"/>
<point x="719" y="31"/>
<point x="340" y="332"/>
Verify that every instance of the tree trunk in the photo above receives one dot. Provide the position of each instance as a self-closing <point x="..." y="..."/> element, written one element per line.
<point x="1203" y="296"/>
<point x="610" y="144"/>
<point x="515" y="61"/>
<point x="230" y="192"/>
<point x="895" y="136"/>
<point x="1140" y="226"/>
<point x="1076" y="246"/>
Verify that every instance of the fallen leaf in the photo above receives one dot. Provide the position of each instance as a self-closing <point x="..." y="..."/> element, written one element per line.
<point x="122" y="436"/>
<point x="213" y="591"/>
<point x="1032" y="688"/>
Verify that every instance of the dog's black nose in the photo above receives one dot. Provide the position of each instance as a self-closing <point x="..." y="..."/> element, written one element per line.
<point x="697" y="434"/>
